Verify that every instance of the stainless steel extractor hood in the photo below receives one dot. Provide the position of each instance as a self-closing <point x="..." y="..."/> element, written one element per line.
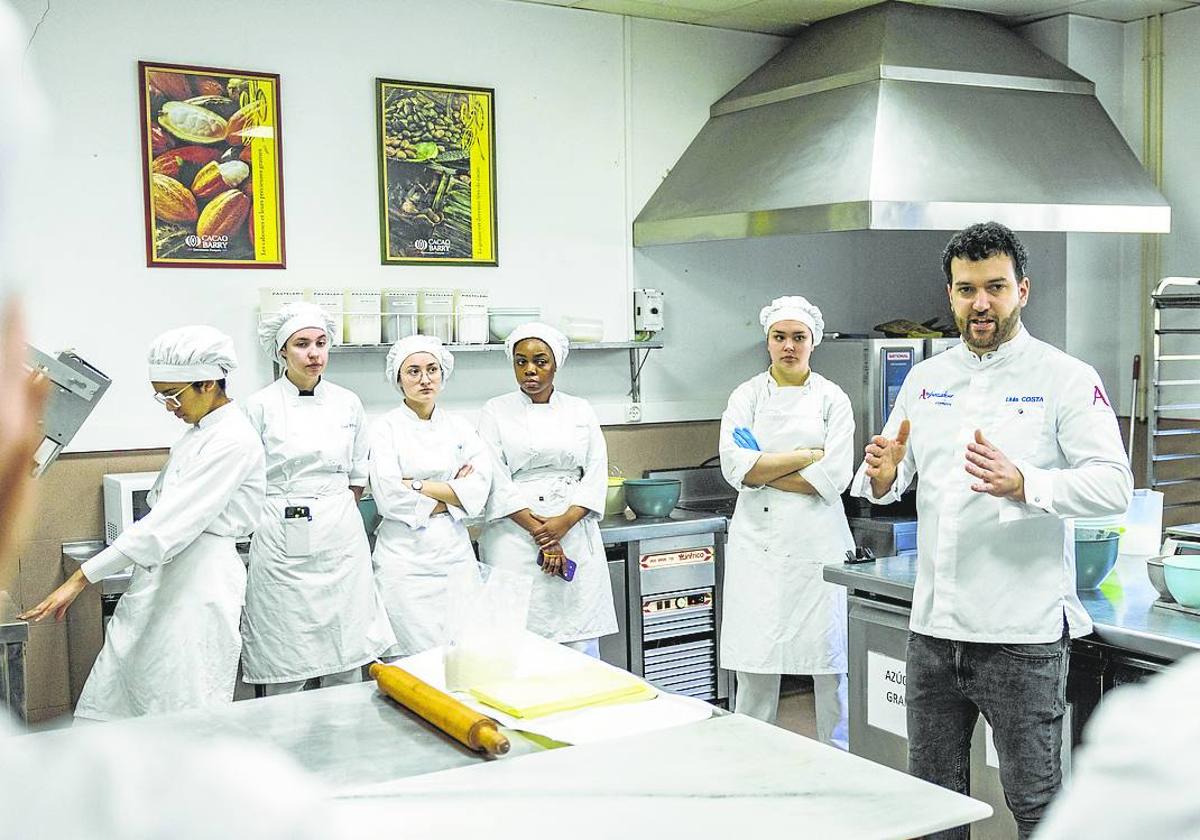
<point x="904" y="117"/>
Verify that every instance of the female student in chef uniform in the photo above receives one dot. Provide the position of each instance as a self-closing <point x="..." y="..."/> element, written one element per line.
<point x="173" y="641"/>
<point x="429" y="471"/>
<point x="550" y="476"/>
<point x="312" y="608"/>
<point x="786" y="445"/>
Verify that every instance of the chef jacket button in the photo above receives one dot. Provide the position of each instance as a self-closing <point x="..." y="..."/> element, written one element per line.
<point x="1037" y="498"/>
<point x="541" y="498"/>
<point x="766" y="510"/>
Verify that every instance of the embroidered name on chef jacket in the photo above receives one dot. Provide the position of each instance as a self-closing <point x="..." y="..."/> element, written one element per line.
<point x="1026" y="399"/>
<point x="939" y="397"/>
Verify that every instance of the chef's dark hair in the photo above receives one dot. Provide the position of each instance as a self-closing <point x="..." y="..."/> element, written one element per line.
<point x="983" y="240"/>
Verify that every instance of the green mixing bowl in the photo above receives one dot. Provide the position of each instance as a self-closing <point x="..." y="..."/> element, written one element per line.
<point x="1095" y="555"/>
<point x="655" y="497"/>
<point x="1183" y="578"/>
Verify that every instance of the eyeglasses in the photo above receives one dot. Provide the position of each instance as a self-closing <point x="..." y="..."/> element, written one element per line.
<point x="416" y="374"/>
<point x="171" y="401"/>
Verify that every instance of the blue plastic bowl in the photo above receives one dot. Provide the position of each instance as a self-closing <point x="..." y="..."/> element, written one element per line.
<point x="654" y="497"/>
<point x="1095" y="556"/>
<point x="1183" y="578"/>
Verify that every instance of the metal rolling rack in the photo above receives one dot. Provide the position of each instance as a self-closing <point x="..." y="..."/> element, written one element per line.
<point x="1182" y="370"/>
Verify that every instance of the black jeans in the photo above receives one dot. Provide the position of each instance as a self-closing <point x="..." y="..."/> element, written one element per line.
<point x="1021" y="691"/>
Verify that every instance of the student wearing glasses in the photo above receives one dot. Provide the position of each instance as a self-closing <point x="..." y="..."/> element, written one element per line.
<point x="173" y="642"/>
<point x="429" y="470"/>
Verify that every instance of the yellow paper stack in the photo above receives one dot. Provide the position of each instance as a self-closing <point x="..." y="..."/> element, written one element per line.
<point x="546" y="694"/>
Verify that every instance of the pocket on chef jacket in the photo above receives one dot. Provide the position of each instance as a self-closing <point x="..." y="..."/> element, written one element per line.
<point x="1021" y="430"/>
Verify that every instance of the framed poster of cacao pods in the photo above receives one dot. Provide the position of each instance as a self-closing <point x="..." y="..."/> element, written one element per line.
<point x="212" y="165"/>
<point x="437" y="173"/>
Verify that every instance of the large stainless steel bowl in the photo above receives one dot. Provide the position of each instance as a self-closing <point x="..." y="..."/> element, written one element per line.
<point x="1154" y="570"/>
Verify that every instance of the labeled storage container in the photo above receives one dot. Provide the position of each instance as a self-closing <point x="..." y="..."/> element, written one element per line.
<point x="470" y="316"/>
<point x="435" y="313"/>
<point x="331" y="300"/>
<point x="361" y="318"/>
<point x="399" y="310"/>
<point x="272" y="300"/>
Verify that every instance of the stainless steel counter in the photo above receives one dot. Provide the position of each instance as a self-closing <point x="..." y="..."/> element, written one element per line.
<point x="14" y="632"/>
<point x="1121" y="609"/>
<point x="681" y="523"/>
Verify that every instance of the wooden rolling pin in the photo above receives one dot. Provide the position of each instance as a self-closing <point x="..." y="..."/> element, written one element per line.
<point x="457" y="720"/>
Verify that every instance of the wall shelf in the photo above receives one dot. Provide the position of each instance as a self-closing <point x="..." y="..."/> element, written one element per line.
<point x="632" y="347"/>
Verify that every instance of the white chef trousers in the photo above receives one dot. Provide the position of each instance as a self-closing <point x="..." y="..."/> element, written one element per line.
<point x="350" y="677"/>
<point x="589" y="646"/>
<point x="757" y="695"/>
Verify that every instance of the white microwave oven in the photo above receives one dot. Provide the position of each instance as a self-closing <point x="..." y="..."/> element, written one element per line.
<point x="125" y="501"/>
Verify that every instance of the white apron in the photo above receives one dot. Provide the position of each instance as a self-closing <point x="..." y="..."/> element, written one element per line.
<point x="559" y="610"/>
<point x="173" y="641"/>
<point x="780" y="616"/>
<point x="318" y="614"/>
<point x="313" y="615"/>
<point x="412" y="565"/>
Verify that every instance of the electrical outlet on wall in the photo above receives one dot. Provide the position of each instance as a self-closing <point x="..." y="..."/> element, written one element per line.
<point x="633" y="413"/>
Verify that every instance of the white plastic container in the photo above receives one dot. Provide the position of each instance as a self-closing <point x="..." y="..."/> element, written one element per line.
<point x="361" y="318"/>
<point x="470" y="316"/>
<point x="1143" y="523"/>
<point x="502" y="320"/>
<point x="581" y="329"/>
<point x="272" y="300"/>
<point x="331" y="300"/>
<point x="435" y="313"/>
<point x="399" y="308"/>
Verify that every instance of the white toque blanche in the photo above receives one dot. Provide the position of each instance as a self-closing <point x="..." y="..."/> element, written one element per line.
<point x="275" y="328"/>
<point x="558" y="343"/>
<point x="191" y="354"/>
<point x="408" y="345"/>
<point x="793" y="308"/>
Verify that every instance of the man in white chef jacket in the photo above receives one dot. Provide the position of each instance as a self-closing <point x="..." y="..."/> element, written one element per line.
<point x="1010" y="437"/>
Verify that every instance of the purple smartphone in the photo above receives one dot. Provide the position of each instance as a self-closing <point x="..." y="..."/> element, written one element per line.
<point x="568" y="570"/>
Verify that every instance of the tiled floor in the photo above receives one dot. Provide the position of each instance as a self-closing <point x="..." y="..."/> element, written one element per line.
<point x="796" y="710"/>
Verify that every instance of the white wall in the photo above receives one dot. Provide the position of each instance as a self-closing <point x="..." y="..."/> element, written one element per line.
<point x="1099" y="269"/>
<point x="567" y="154"/>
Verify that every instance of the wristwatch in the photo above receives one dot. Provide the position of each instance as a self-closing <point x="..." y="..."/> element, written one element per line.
<point x="417" y="484"/>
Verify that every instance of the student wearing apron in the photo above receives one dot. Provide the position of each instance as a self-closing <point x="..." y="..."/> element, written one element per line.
<point x="173" y="641"/>
<point x="549" y="480"/>
<point x="312" y="608"/>
<point x="786" y="444"/>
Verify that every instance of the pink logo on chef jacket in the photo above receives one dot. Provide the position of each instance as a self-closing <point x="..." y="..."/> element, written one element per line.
<point x="1098" y="396"/>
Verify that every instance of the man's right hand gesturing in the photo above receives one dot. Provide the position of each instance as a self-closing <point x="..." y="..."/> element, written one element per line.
<point x="883" y="456"/>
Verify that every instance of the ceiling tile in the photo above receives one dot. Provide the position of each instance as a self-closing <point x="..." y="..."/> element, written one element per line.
<point x="1003" y="8"/>
<point x="800" y="11"/>
<point x="641" y="8"/>
<point x="1124" y="10"/>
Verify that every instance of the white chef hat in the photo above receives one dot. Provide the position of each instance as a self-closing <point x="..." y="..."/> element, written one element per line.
<point x="191" y="354"/>
<point x="408" y="345"/>
<point x="275" y="328"/>
<point x="558" y="343"/>
<point x="793" y="308"/>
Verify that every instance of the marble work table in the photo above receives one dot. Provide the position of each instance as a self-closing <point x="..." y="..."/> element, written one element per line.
<point x="697" y="780"/>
